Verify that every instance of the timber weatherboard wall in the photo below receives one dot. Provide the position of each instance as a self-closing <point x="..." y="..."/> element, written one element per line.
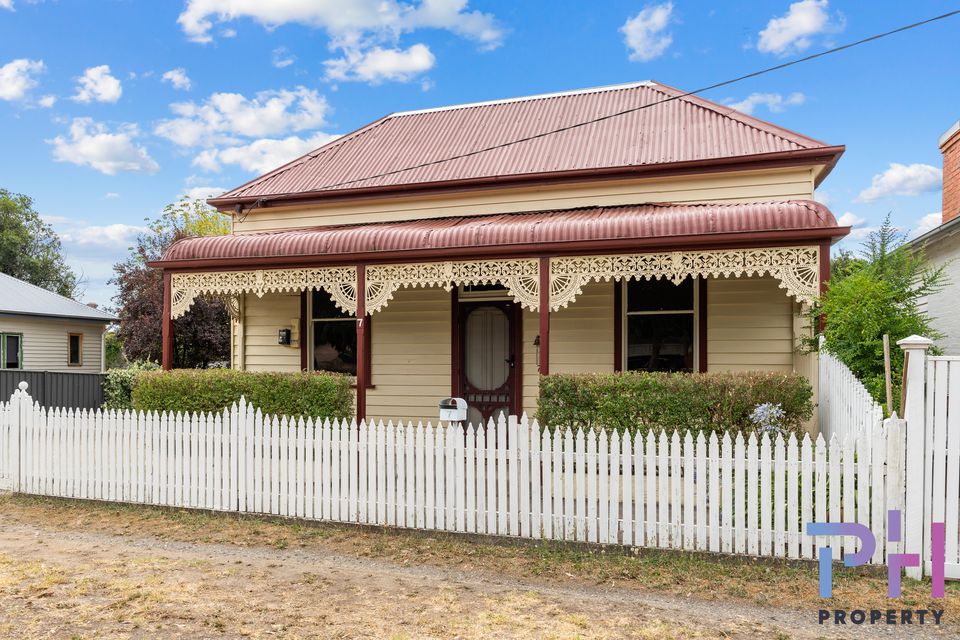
<point x="263" y="317"/>
<point x="45" y="342"/>
<point x="749" y="325"/>
<point x="743" y="186"/>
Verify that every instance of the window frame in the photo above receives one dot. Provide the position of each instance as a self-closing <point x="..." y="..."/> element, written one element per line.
<point x="308" y="339"/>
<point x="624" y="314"/>
<point x="79" y="363"/>
<point x="3" y="350"/>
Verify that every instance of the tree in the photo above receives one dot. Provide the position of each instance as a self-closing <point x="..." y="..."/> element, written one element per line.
<point x="875" y="294"/>
<point x="29" y="248"/>
<point x="202" y="335"/>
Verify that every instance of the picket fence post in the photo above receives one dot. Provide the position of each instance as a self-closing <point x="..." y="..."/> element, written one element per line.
<point x="20" y="401"/>
<point x="915" y="350"/>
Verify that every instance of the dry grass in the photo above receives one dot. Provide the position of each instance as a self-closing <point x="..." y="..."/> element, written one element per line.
<point x="149" y="591"/>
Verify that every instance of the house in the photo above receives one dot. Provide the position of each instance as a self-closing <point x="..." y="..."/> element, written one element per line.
<point x="941" y="247"/>
<point x="466" y="250"/>
<point x="43" y="331"/>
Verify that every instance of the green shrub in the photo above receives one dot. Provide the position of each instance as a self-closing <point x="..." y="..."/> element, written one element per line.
<point x="644" y="401"/>
<point x="118" y="384"/>
<point x="322" y="395"/>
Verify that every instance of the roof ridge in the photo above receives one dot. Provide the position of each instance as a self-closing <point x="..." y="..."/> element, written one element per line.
<point x="85" y="307"/>
<point x="535" y="96"/>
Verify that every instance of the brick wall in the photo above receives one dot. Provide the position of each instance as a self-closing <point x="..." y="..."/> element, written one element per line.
<point x="951" y="176"/>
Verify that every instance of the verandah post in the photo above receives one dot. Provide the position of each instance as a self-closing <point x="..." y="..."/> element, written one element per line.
<point x="362" y="355"/>
<point x="544" y="316"/>
<point x="915" y="352"/>
<point x="166" y="326"/>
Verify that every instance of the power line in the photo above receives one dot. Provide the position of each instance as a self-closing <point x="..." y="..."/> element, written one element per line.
<point x="584" y="123"/>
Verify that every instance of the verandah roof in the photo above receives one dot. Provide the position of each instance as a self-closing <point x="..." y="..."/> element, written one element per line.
<point x="653" y="224"/>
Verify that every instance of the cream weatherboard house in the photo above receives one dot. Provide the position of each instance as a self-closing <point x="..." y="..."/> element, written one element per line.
<point x="466" y="250"/>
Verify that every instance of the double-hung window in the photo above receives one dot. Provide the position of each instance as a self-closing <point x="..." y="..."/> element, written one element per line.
<point x="11" y="350"/>
<point x="660" y="325"/>
<point x="333" y="336"/>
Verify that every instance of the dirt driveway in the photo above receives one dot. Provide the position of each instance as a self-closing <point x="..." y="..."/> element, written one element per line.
<point x="92" y="571"/>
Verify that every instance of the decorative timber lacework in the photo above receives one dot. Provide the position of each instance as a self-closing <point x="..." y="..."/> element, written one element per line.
<point x="339" y="282"/>
<point x="797" y="268"/>
<point x="521" y="277"/>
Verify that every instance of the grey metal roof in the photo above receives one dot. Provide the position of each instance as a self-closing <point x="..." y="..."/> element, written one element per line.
<point x="22" y="298"/>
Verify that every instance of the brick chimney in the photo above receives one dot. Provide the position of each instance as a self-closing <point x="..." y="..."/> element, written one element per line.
<point x="950" y="147"/>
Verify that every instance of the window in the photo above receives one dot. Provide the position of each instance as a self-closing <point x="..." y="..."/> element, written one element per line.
<point x="11" y="350"/>
<point x="334" y="336"/>
<point x="660" y="325"/>
<point x="75" y="349"/>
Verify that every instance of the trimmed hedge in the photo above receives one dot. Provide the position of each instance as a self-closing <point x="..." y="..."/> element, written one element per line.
<point x="323" y="395"/>
<point x="699" y="401"/>
<point x="118" y="384"/>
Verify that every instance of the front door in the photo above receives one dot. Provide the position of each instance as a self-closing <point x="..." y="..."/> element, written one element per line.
<point x="488" y="359"/>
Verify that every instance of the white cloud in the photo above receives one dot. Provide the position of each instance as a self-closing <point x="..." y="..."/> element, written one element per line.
<point x="850" y="219"/>
<point x="902" y="180"/>
<point x="91" y="144"/>
<point x="345" y="22"/>
<point x="224" y="116"/>
<point x="822" y="197"/>
<point x="115" y="236"/>
<point x="17" y="78"/>
<point x="6" y="4"/>
<point x="261" y="155"/>
<point x="644" y="33"/>
<point x="178" y="78"/>
<point x="927" y="223"/>
<point x="282" y="58"/>
<point x="774" y="102"/>
<point x="97" y="85"/>
<point x="47" y="101"/>
<point x="202" y="193"/>
<point x="858" y="230"/>
<point x="361" y="30"/>
<point x="377" y="64"/>
<point x="111" y="195"/>
<point x="793" y="31"/>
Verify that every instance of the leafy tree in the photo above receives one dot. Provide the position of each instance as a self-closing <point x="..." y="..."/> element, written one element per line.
<point x="29" y="248"/>
<point x="875" y="294"/>
<point x="114" y="351"/>
<point x="202" y="335"/>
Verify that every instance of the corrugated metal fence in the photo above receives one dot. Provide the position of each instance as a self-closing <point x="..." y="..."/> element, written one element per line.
<point x="56" y="388"/>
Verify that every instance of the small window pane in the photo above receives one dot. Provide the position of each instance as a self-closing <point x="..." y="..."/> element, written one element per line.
<point x="11" y="352"/>
<point x="74" y="349"/>
<point x="324" y="307"/>
<point x="335" y="346"/>
<point x="660" y="342"/>
<point x="659" y="295"/>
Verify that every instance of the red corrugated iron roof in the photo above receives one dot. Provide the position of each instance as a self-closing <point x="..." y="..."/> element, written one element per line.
<point x="517" y="231"/>
<point x="688" y="129"/>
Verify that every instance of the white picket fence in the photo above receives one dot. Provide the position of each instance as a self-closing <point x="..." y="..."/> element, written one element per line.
<point x="845" y="406"/>
<point x="668" y="490"/>
<point x="942" y="457"/>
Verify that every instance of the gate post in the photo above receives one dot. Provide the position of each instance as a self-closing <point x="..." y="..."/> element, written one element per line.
<point x="915" y="364"/>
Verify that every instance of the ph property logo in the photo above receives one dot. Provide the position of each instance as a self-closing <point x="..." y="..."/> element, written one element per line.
<point x="896" y="562"/>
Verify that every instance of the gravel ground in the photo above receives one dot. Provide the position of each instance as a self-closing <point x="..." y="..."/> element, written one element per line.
<point x="69" y="579"/>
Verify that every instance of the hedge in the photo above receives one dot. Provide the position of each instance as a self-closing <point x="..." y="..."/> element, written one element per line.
<point x="323" y="395"/>
<point x="118" y="384"/>
<point x="712" y="402"/>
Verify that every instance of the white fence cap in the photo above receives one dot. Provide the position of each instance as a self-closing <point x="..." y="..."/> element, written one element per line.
<point x="915" y="342"/>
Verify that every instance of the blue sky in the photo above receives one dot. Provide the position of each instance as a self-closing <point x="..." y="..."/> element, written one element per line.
<point x="111" y="109"/>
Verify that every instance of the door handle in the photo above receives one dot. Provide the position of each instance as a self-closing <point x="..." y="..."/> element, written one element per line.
<point x="510" y="361"/>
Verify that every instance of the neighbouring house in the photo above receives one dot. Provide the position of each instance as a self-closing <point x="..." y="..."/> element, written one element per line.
<point x="466" y="250"/>
<point x="43" y="331"/>
<point x="942" y="247"/>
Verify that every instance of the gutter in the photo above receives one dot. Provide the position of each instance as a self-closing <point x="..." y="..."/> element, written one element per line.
<point x="544" y="249"/>
<point x="827" y="156"/>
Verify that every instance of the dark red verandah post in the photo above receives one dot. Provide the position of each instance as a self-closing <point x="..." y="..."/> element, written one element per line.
<point x="544" y="316"/>
<point x="362" y="354"/>
<point x="166" y="326"/>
